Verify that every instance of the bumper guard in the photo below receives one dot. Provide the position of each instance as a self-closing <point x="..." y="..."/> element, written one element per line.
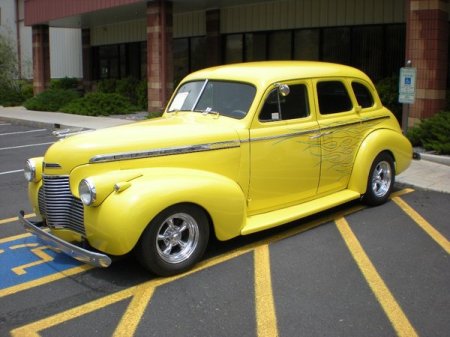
<point x="78" y="253"/>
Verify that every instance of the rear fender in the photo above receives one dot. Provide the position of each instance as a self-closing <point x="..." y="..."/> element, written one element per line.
<point x="376" y="142"/>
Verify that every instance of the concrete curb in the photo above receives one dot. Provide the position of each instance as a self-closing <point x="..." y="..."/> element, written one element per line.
<point x="445" y="160"/>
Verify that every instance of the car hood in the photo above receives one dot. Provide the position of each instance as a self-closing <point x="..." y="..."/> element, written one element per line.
<point x="176" y="133"/>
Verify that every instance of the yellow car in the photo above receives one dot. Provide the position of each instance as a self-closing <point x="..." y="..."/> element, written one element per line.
<point x="239" y="149"/>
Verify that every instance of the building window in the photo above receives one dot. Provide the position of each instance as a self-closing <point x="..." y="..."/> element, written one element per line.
<point x="367" y="49"/>
<point x="234" y="47"/>
<point x="336" y="45"/>
<point x="180" y="59"/>
<point x="198" y="53"/>
<point x="280" y="45"/>
<point x="306" y="44"/>
<point x="120" y="61"/>
<point x="255" y="47"/>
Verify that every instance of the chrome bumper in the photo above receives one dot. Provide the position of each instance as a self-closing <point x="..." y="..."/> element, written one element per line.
<point x="78" y="253"/>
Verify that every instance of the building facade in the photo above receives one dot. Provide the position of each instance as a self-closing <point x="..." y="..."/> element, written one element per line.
<point x="65" y="43"/>
<point x="162" y="41"/>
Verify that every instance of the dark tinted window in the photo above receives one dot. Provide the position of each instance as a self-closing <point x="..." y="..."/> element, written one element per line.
<point x="333" y="97"/>
<point x="294" y="105"/>
<point x="363" y="95"/>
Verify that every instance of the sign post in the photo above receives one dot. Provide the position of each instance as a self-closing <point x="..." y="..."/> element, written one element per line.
<point x="407" y="91"/>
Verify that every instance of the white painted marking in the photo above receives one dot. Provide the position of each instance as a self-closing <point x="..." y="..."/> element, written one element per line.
<point x="20" y="132"/>
<point x="22" y="146"/>
<point x="9" y="172"/>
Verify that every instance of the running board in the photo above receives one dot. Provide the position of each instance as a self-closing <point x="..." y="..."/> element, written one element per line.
<point x="272" y="219"/>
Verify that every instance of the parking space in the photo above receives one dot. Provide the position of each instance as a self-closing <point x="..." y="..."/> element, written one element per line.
<point x="352" y="271"/>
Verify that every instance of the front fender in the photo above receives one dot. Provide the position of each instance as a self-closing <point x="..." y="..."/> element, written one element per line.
<point x="375" y="143"/>
<point x="116" y="225"/>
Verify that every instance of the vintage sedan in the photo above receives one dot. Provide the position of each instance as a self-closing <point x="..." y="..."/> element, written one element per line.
<point x="239" y="149"/>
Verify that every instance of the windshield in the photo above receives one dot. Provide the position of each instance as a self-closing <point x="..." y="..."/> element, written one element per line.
<point x="230" y="99"/>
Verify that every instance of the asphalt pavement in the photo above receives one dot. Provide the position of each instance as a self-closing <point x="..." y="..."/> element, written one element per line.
<point x="431" y="172"/>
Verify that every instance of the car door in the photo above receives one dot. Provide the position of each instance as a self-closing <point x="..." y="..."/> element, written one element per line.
<point x="284" y="150"/>
<point x="341" y="132"/>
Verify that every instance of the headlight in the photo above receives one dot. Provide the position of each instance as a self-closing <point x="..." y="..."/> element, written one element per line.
<point x="87" y="192"/>
<point x="30" y="171"/>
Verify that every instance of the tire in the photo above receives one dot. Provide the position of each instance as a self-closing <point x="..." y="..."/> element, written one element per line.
<point x="381" y="180"/>
<point x="174" y="240"/>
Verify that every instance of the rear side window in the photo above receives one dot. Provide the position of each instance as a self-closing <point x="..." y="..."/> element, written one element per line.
<point x="363" y="95"/>
<point x="333" y="97"/>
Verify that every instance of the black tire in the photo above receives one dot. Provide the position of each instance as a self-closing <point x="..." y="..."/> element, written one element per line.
<point x="174" y="240"/>
<point x="381" y="180"/>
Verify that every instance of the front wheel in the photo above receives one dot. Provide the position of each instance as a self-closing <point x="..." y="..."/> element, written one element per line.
<point x="381" y="180"/>
<point x="174" y="240"/>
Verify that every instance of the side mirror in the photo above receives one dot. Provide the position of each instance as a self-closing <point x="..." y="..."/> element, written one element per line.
<point x="283" y="89"/>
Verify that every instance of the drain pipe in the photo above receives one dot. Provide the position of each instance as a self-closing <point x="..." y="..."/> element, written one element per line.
<point x="19" y="50"/>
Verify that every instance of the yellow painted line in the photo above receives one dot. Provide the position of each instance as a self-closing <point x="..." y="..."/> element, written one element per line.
<point x="32" y="330"/>
<point x="145" y="290"/>
<point x="424" y="224"/>
<point x="44" y="280"/>
<point x="39" y="252"/>
<point x="266" y="318"/>
<point x="130" y="320"/>
<point x="15" y="237"/>
<point x="5" y="221"/>
<point x="393" y="311"/>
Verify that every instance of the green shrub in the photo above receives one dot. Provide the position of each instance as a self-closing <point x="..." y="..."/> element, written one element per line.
<point x="100" y="104"/>
<point x="51" y="100"/>
<point x="15" y="93"/>
<point x="65" y="83"/>
<point x="127" y="87"/>
<point x="433" y="134"/>
<point x="26" y="88"/>
<point x="107" y="86"/>
<point x="141" y="95"/>
<point x="388" y="90"/>
<point x="10" y="95"/>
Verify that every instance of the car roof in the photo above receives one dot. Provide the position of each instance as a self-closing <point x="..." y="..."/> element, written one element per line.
<point x="266" y="72"/>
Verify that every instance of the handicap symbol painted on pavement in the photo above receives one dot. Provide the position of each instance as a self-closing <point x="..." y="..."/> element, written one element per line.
<point x="26" y="259"/>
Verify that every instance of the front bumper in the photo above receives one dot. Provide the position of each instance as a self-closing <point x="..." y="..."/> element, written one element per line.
<point x="78" y="253"/>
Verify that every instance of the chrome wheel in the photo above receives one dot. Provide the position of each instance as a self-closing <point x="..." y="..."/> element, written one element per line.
<point x="381" y="179"/>
<point x="177" y="238"/>
<point x="174" y="240"/>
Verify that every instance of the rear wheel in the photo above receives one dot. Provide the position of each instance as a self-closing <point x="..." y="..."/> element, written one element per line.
<point x="174" y="240"/>
<point x="381" y="180"/>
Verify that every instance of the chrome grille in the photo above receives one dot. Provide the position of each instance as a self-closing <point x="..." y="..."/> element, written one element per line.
<point x="60" y="208"/>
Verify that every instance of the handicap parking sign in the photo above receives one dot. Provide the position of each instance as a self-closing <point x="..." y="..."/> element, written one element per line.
<point x="407" y="85"/>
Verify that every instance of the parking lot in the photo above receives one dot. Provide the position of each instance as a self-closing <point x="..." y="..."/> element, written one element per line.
<point x="351" y="271"/>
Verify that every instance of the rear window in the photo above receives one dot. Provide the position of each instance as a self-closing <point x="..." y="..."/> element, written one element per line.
<point x="363" y="95"/>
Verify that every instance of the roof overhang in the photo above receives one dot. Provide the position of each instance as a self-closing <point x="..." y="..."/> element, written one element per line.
<point x="88" y="13"/>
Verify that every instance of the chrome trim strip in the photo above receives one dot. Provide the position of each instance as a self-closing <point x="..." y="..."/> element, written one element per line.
<point x="360" y="121"/>
<point x="78" y="253"/>
<point x="169" y="151"/>
<point x="288" y="135"/>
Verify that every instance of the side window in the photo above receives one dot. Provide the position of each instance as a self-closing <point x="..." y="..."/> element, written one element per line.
<point x="363" y="95"/>
<point x="333" y="97"/>
<point x="295" y="105"/>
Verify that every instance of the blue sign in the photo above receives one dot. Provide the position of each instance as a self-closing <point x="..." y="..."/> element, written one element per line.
<point x="407" y="85"/>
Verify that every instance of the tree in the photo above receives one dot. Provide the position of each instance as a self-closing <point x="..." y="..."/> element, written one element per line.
<point x="8" y="63"/>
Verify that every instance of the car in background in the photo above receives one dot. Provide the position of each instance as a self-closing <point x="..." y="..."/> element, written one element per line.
<point x="239" y="149"/>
